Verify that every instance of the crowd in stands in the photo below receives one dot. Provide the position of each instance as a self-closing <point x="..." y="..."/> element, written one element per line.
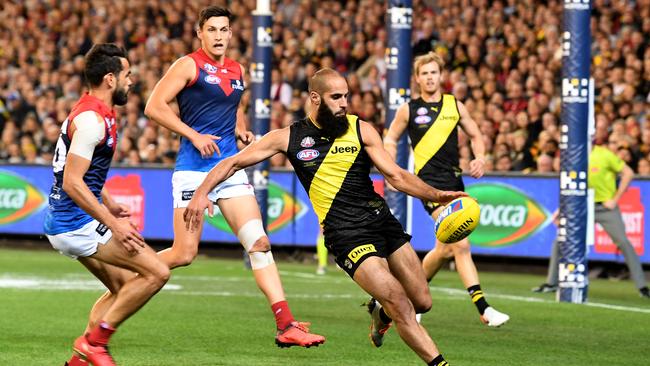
<point x="504" y="62"/>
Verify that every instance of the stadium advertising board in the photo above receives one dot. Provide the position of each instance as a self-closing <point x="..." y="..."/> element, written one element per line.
<point x="515" y="218"/>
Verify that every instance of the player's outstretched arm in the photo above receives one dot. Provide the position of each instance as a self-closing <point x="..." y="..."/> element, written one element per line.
<point x="159" y="110"/>
<point x="272" y="143"/>
<point x="398" y="177"/>
<point x="396" y="129"/>
<point x="467" y="123"/>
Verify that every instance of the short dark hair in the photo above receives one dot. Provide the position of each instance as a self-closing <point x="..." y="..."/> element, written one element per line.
<point x="102" y="59"/>
<point x="213" y="11"/>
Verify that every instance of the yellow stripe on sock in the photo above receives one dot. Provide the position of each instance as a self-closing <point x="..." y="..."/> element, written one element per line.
<point x="477" y="296"/>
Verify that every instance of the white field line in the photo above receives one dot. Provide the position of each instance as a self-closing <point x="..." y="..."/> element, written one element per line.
<point x="76" y="282"/>
<point x="50" y="284"/>
<point x="457" y="292"/>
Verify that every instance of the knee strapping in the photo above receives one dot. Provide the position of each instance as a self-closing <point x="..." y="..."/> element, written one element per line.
<point x="261" y="260"/>
<point x="248" y="235"/>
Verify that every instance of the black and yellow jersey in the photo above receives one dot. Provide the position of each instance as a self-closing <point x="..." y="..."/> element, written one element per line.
<point x="335" y="174"/>
<point x="433" y="130"/>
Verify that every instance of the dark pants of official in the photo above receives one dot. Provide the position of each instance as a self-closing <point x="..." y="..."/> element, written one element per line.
<point x="612" y="223"/>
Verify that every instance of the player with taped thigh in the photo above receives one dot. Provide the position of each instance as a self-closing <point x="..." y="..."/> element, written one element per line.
<point x="432" y="122"/>
<point x="332" y="153"/>
<point x="208" y="87"/>
<point x="82" y="220"/>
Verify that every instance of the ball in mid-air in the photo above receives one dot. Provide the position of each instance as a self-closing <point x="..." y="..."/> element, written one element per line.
<point x="457" y="220"/>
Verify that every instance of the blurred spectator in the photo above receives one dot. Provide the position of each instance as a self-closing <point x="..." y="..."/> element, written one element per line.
<point x="281" y="91"/>
<point x="545" y="164"/>
<point x="503" y="163"/>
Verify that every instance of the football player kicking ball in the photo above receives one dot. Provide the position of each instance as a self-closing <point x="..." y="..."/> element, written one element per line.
<point x="432" y="122"/>
<point x="332" y="153"/>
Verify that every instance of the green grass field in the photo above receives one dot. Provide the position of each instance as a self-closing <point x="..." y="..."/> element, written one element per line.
<point x="212" y="314"/>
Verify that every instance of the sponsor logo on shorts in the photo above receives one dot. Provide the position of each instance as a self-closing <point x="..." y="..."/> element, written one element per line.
<point x="101" y="229"/>
<point x="307" y="154"/>
<point x="307" y="142"/>
<point x="359" y="252"/>
<point x="344" y="149"/>
<point x="347" y="264"/>
<point x="187" y="195"/>
<point x="421" y="111"/>
<point x="212" y="79"/>
<point x="422" y="119"/>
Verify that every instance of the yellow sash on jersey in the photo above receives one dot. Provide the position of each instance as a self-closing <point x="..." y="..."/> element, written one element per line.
<point x="437" y="133"/>
<point x="332" y="171"/>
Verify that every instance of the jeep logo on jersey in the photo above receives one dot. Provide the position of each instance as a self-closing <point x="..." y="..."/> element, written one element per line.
<point x="507" y="215"/>
<point x="18" y="198"/>
<point x="344" y="149"/>
<point x="307" y="154"/>
<point x="212" y="79"/>
<point x="283" y="209"/>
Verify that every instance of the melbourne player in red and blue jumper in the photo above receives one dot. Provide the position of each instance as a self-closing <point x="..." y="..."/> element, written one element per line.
<point x="208" y="88"/>
<point x="82" y="220"/>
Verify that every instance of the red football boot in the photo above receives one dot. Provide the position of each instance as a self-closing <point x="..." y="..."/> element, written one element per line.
<point x="96" y="355"/>
<point x="297" y="334"/>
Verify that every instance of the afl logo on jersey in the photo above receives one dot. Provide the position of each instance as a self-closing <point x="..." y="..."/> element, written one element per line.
<point x="421" y="111"/>
<point x="422" y="119"/>
<point x="209" y="68"/>
<point x="307" y="155"/>
<point x="212" y="79"/>
<point x="307" y="142"/>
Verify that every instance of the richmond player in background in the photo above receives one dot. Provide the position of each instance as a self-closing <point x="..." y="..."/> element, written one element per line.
<point x="432" y="122"/>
